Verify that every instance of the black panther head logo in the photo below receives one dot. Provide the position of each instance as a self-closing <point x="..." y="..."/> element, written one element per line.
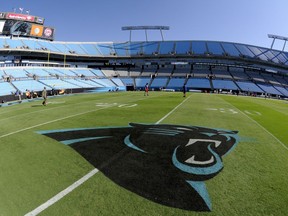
<point x="167" y="164"/>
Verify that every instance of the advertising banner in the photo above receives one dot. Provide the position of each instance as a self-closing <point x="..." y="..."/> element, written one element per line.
<point x="48" y="33"/>
<point x="39" y="20"/>
<point x="36" y="30"/>
<point x="22" y="17"/>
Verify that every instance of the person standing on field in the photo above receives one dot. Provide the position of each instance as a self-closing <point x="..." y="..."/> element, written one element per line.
<point x="146" y="89"/>
<point x="184" y="90"/>
<point x="44" y="95"/>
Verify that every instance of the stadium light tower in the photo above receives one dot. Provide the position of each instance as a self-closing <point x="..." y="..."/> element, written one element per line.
<point x="145" y="28"/>
<point x="278" y="38"/>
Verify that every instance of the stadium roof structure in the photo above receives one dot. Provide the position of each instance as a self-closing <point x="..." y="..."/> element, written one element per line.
<point x="212" y="52"/>
<point x="145" y="28"/>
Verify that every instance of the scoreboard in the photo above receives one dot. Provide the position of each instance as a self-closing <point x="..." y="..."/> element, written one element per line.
<point x="24" y="25"/>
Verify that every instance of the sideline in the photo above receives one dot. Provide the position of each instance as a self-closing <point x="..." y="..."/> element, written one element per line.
<point x="79" y="182"/>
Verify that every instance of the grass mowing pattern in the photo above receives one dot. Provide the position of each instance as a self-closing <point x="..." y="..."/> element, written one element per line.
<point x="35" y="168"/>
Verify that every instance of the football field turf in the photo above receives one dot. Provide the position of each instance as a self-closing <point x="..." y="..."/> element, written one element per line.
<point x="41" y="154"/>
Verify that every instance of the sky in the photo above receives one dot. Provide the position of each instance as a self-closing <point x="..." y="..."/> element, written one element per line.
<point x="241" y="21"/>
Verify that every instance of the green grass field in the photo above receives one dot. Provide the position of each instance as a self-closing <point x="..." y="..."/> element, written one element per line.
<point x="34" y="167"/>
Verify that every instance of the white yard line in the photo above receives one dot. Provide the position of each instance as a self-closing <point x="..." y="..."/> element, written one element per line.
<point x="76" y="184"/>
<point x="63" y="193"/>
<point x="48" y="122"/>
<point x="279" y="141"/>
<point x="158" y="122"/>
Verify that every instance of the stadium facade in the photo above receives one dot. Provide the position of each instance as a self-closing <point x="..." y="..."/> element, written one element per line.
<point x="30" y="60"/>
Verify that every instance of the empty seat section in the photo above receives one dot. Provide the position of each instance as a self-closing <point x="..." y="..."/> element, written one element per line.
<point x="182" y="70"/>
<point x="105" y="82"/>
<point x="2" y="74"/>
<point x="135" y="72"/>
<point x="281" y="80"/>
<point x="199" y="47"/>
<point x="224" y="84"/>
<point x="214" y="48"/>
<point x="244" y="50"/>
<point x="118" y="82"/>
<point x="159" y="82"/>
<point x="176" y="83"/>
<point x="91" y="49"/>
<point x="83" y="72"/>
<point x="141" y="82"/>
<point x="230" y="49"/>
<point x="31" y="44"/>
<point x="183" y="47"/>
<point x="167" y="48"/>
<point x="6" y="89"/>
<point x="16" y="43"/>
<point x="122" y="73"/>
<point x="16" y="72"/>
<point x="47" y="45"/>
<point x="261" y="54"/>
<point x="66" y="72"/>
<point x="97" y="72"/>
<point x="79" y="83"/>
<point x="105" y="49"/>
<point x="61" y="47"/>
<point x="165" y="70"/>
<point x="238" y="73"/>
<point x="269" y="89"/>
<point x="200" y="70"/>
<point x="53" y="72"/>
<point x="90" y="82"/>
<point x="282" y="90"/>
<point x="58" y="84"/>
<point x="128" y="81"/>
<point x="38" y="72"/>
<point x="2" y="43"/>
<point x="75" y="48"/>
<point x="269" y="78"/>
<point x="31" y="85"/>
<point x="222" y="75"/>
<point x="197" y="83"/>
<point x="120" y="49"/>
<point x="150" y="48"/>
<point x="149" y="70"/>
<point x="256" y="76"/>
<point x="109" y="72"/>
<point x="249" y="87"/>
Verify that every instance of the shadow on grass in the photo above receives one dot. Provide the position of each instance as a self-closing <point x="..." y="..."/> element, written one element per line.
<point x="37" y="105"/>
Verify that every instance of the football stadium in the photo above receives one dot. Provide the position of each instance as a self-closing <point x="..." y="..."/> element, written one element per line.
<point x="207" y="137"/>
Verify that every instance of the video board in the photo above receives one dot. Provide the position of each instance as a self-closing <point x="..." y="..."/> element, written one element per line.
<point x="24" y="25"/>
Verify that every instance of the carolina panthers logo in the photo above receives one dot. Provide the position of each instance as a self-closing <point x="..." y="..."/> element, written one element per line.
<point x="166" y="164"/>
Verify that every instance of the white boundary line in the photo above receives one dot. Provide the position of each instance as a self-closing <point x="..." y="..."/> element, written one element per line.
<point x="70" y="188"/>
<point x="283" y="145"/>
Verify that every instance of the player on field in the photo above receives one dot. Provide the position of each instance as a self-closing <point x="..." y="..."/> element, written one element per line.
<point x="146" y="88"/>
